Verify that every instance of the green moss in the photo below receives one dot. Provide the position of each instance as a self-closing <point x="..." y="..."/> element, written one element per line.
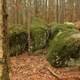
<point x="64" y="47"/>
<point x="39" y="34"/>
<point x="18" y="36"/>
<point x="56" y="27"/>
<point x="17" y="43"/>
<point x="37" y="22"/>
<point x="17" y="29"/>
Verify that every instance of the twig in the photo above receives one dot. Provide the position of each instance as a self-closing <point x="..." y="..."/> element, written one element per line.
<point x="54" y="74"/>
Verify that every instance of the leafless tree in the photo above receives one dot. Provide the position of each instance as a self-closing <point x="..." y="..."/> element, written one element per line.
<point x="5" y="42"/>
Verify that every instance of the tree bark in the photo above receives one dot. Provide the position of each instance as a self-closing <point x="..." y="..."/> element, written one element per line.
<point x="5" y="42"/>
<point x="29" y="25"/>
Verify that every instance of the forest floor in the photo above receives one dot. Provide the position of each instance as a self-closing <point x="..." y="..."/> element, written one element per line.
<point x="36" y="67"/>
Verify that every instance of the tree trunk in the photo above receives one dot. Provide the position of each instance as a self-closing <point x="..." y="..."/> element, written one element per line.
<point x="1" y="50"/>
<point x="57" y="11"/>
<point x="5" y="42"/>
<point x="29" y="25"/>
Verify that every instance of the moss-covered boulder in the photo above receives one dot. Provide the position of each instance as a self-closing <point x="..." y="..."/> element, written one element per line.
<point x="57" y="27"/>
<point x="17" y="39"/>
<point x="64" y="47"/>
<point x="39" y="34"/>
<point x="18" y="43"/>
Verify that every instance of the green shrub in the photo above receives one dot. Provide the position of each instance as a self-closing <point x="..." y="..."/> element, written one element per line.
<point x="38" y="23"/>
<point x="39" y="38"/>
<point x="64" y="47"/>
<point x="18" y="36"/>
<point x="17" y="43"/>
<point x="39" y="34"/>
<point x="56" y="27"/>
<point x="16" y="29"/>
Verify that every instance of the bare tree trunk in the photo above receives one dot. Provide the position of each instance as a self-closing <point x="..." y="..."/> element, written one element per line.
<point x="29" y="25"/>
<point x="17" y="11"/>
<point x="1" y="49"/>
<point x="36" y="7"/>
<point x="57" y="10"/>
<point x="77" y="7"/>
<point x="50" y="10"/>
<point x="5" y="42"/>
<point x="61" y="11"/>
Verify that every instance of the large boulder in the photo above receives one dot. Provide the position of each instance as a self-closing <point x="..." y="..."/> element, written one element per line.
<point x="39" y="34"/>
<point x="63" y="48"/>
<point x="57" y="27"/>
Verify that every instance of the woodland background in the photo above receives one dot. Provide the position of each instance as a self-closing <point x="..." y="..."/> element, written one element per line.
<point x="49" y="10"/>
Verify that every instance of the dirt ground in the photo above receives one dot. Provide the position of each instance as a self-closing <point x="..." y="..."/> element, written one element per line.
<point x="32" y="67"/>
